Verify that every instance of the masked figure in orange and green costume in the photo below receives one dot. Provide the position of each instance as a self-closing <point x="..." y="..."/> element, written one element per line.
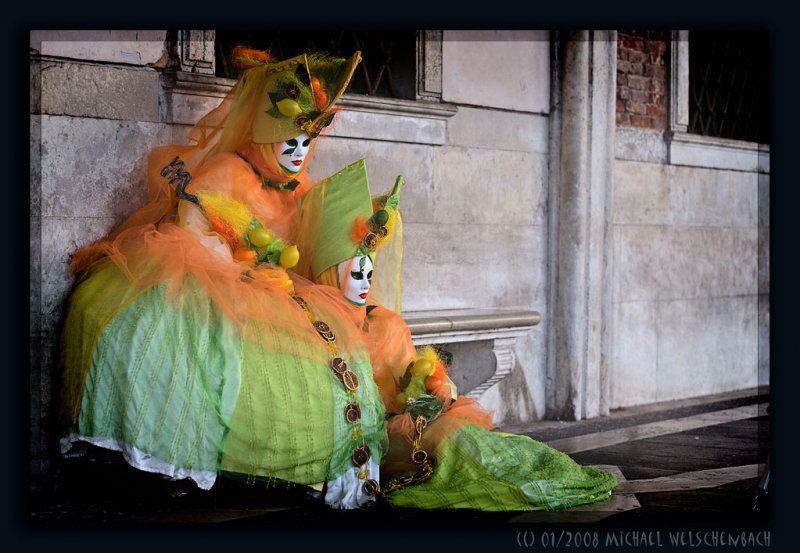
<point x="187" y="344"/>
<point x="443" y="453"/>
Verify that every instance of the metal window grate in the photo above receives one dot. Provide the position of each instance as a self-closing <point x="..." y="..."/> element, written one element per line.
<point x="729" y="85"/>
<point x="388" y="66"/>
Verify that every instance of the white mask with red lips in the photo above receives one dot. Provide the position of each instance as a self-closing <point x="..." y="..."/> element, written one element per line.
<point x="355" y="279"/>
<point x="291" y="154"/>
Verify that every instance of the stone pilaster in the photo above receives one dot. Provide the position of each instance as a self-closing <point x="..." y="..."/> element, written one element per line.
<point x="581" y="170"/>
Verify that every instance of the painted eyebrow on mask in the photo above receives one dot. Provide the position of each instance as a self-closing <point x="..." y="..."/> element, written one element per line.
<point x="292" y="143"/>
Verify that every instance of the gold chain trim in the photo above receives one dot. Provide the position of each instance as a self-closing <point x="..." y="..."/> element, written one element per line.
<point x="352" y="413"/>
<point x="419" y="457"/>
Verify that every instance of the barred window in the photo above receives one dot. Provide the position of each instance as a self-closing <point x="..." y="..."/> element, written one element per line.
<point x="388" y="66"/>
<point x="729" y="84"/>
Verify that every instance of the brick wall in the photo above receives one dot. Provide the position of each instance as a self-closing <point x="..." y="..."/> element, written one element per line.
<point x="642" y="79"/>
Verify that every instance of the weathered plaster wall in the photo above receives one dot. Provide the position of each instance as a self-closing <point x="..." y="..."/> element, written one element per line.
<point x="495" y="176"/>
<point x="690" y="267"/>
<point x="497" y="69"/>
<point x="691" y="240"/>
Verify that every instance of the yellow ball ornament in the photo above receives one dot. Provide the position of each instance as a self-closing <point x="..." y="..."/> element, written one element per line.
<point x="259" y="237"/>
<point x="289" y="107"/>
<point x="422" y="367"/>
<point x="289" y="257"/>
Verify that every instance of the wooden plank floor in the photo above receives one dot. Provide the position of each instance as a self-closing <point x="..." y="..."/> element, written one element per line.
<point x="695" y="460"/>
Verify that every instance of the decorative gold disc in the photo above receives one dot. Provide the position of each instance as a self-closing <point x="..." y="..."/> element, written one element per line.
<point x="325" y="331"/>
<point x="371" y="487"/>
<point x="361" y="455"/>
<point x="423" y="474"/>
<point x="419" y="456"/>
<point x="405" y="481"/>
<point x="338" y="365"/>
<point x="352" y="413"/>
<point x="350" y="380"/>
<point x="370" y="240"/>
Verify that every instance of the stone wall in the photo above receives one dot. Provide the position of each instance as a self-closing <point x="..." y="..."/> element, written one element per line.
<point x="690" y="218"/>
<point x="690" y="268"/>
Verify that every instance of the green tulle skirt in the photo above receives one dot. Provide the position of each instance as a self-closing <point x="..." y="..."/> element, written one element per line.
<point x="183" y="390"/>
<point x="494" y="471"/>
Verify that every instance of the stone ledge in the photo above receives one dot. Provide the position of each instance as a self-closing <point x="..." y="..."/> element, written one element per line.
<point x="468" y="324"/>
<point x="395" y="106"/>
<point x="392" y="120"/>
<point x="717" y="153"/>
<point x="363" y="117"/>
<point x="129" y="46"/>
<point x="197" y="83"/>
<point x="501" y="327"/>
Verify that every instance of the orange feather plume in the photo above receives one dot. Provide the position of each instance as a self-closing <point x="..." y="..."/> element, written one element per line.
<point x="245" y="58"/>
<point x="359" y="230"/>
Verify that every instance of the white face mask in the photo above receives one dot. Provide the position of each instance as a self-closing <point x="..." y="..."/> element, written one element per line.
<point x="291" y="154"/>
<point x="355" y="278"/>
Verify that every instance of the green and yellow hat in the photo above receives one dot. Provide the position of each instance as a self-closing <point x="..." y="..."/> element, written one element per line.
<point x="299" y="94"/>
<point x="352" y="223"/>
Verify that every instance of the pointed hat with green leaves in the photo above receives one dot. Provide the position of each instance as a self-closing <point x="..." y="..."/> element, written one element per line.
<point x="299" y="94"/>
<point x="351" y="223"/>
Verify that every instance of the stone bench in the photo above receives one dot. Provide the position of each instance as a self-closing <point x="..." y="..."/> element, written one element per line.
<point x="481" y="341"/>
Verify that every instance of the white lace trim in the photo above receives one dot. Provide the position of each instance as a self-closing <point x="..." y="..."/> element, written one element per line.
<point x="139" y="459"/>
<point x="346" y="491"/>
